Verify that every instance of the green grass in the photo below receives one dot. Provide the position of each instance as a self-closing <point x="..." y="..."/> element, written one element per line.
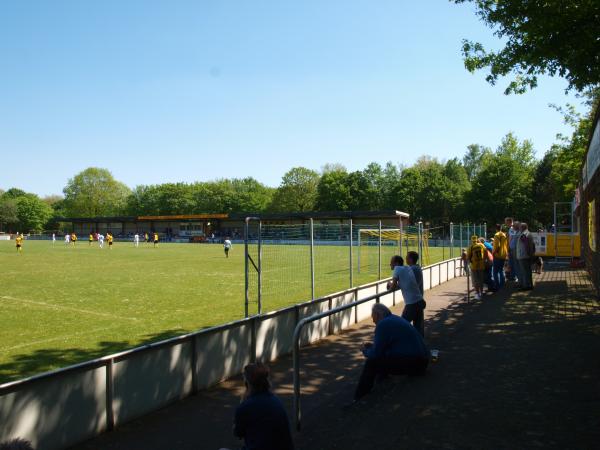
<point x="62" y="305"/>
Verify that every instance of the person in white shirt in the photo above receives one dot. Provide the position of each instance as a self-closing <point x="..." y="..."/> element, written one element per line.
<point x="403" y="278"/>
<point x="136" y="240"/>
<point x="67" y="238"/>
<point x="227" y="246"/>
<point x="100" y="240"/>
<point x="53" y="238"/>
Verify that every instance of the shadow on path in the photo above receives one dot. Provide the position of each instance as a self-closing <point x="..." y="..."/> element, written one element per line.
<point x="516" y="370"/>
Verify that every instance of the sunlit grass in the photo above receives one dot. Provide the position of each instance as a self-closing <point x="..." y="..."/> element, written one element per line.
<point x="60" y="305"/>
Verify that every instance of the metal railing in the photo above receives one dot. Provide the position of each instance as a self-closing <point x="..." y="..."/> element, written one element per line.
<point x="300" y="325"/>
<point x="296" y="348"/>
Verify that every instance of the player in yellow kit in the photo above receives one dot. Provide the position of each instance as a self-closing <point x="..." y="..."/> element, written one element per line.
<point x="91" y="239"/>
<point x="73" y="239"/>
<point x="155" y="239"/>
<point x="109" y="238"/>
<point x="19" y="241"/>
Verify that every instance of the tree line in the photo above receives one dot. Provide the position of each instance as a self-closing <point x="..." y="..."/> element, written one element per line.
<point x="555" y="38"/>
<point x="484" y="185"/>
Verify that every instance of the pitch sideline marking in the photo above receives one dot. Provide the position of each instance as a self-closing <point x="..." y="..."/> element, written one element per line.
<point x="62" y="337"/>
<point x="69" y="308"/>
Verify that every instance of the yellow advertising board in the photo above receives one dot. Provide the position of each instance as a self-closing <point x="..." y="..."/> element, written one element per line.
<point x="567" y="244"/>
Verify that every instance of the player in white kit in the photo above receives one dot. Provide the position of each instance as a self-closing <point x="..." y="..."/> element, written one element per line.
<point x="100" y="240"/>
<point x="136" y="240"/>
<point x="53" y="238"/>
<point x="67" y="238"/>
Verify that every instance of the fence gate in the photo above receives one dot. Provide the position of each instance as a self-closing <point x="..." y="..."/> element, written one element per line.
<point x="253" y="266"/>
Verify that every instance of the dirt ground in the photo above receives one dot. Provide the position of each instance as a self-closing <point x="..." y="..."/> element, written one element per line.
<point x="516" y="370"/>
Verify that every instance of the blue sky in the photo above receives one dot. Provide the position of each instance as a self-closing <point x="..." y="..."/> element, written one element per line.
<point x="159" y="91"/>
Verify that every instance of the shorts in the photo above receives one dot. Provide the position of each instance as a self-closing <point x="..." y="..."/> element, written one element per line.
<point x="110" y="243"/>
<point x="18" y="245"/>
<point x="156" y="242"/>
<point x="478" y="277"/>
<point x="226" y="249"/>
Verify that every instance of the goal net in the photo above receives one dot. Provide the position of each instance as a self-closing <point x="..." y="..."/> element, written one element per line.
<point x="375" y="245"/>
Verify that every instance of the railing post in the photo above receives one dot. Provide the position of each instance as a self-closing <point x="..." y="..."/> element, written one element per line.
<point x="296" y="359"/>
<point x="329" y="323"/>
<point x="110" y="417"/>
<point x="194" y="363"/>
<point x="253" y="338"/>
<point x="468" y="286"/>
<point x="356" y="306"/>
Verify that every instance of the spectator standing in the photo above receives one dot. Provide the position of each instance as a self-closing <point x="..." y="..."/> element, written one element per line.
<point x="412" y="259"/>
<point x="500" y="252"/>
<point x="476" y="257"/>
<point x="397" y="349"/>
<point x="489" y="265"/>
<point x="525" y="253"/>
<point x="513" y="237"/>
<point x="261" y="419"/>
<point x="403" y="277"/>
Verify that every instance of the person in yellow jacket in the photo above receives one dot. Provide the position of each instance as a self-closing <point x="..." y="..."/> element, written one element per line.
<point x="19" y="241"/>
<point x="109" y="238"/>
<point x="476" y="255"/>
<point x="91" y="239"/>
<point x="73" y="239"/>
<point x="155" y="239"/>
<point x="500" y="252"/>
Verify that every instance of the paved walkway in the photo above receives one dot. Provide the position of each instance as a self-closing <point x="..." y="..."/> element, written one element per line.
<point x="516" y="370"/>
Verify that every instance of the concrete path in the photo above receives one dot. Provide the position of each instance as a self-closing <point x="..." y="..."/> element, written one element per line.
<point x="516" y="370"/>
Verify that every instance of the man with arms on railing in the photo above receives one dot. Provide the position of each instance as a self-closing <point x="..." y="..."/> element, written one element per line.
<point x="397" y="349"/>
<point x="403" y="278"/>
<point x="261" y="419"/>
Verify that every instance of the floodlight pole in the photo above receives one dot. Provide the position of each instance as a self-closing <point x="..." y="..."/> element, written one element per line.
<point x="312" y="260"/>
<point x="378" y="255"/>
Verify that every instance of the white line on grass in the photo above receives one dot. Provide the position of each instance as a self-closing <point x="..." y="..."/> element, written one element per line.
<point x="58" y="338"/>
<point x="68" y="308"/>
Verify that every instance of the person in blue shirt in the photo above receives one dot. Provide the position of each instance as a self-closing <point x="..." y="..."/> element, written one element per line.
<point x="412" y="260"/>
<point x="261" y="419"/>
<point x="397" y="349"/>
<point x="405" y="279"/>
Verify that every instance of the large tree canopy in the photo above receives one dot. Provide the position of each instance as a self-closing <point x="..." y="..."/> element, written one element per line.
<point x="94" y="192"/>
<point x="555" y="37"/>
<point x="297" y="191"/>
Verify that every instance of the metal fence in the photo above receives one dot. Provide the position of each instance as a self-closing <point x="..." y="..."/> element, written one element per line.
<point x="292" y="262"/>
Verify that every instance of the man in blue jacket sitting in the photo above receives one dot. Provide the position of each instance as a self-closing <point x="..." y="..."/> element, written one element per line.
<point x="398" y="349"/>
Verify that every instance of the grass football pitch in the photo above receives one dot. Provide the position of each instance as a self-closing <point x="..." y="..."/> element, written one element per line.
<point x="62" y="305"/>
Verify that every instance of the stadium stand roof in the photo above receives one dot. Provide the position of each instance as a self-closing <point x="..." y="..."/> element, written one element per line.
<point x="380" y="214"/>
